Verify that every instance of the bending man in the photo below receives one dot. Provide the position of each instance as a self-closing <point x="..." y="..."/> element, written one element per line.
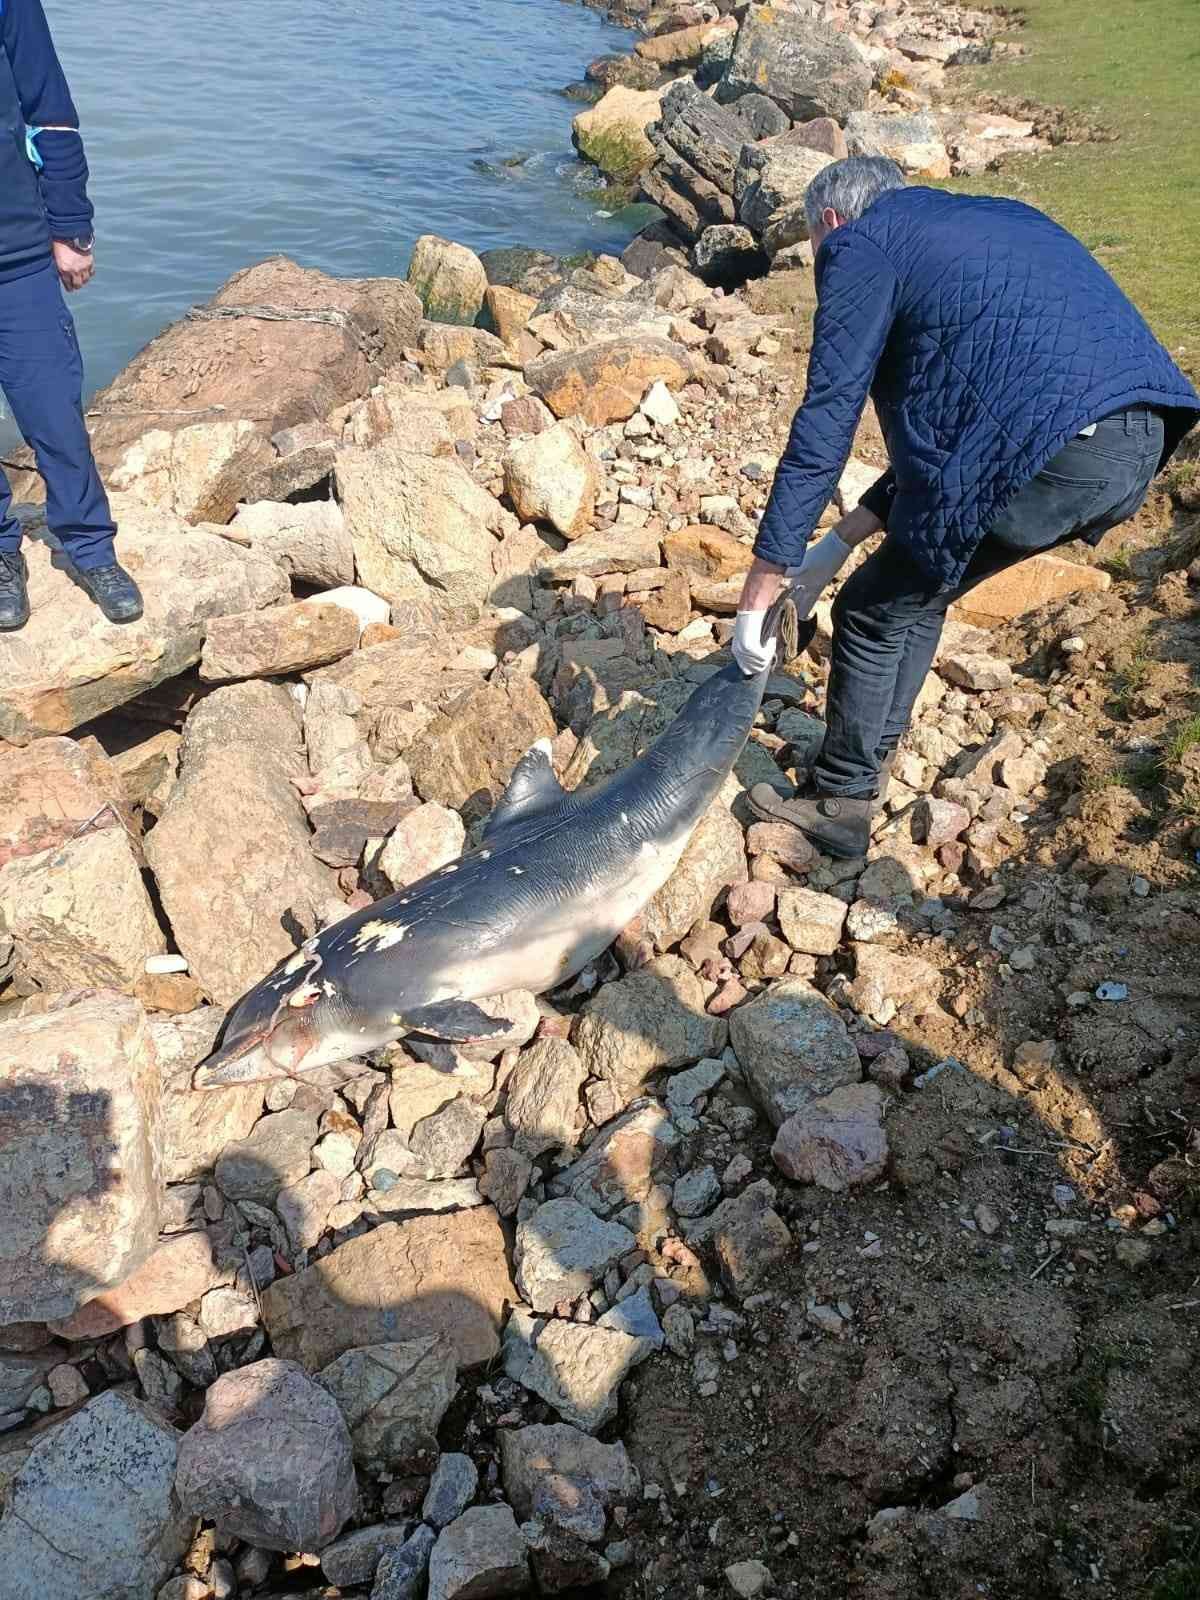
<point x="46" y="240"/>
<point x="1024" y="402"/>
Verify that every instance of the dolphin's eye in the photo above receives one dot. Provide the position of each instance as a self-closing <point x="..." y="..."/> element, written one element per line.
<point x="306" y="995"/>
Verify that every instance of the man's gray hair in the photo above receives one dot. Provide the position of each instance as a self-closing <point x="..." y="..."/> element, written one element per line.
<point x="850" y="186"/>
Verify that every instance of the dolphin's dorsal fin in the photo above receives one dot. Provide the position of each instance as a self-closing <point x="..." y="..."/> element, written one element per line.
<point x="532" y="788"/>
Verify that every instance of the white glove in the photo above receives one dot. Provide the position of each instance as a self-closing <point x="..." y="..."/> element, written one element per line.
<point x="822" y="563"/>
<point x="751" y="652"/>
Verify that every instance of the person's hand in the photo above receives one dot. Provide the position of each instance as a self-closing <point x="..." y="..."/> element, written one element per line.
<point x="74" y="267"/>
<point x="822" y="563"/>
<point x="751" y="652"/>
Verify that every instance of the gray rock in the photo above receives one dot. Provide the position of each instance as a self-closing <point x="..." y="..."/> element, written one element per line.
<point x="442" y="1142"/>
<point x="355" y="1558"/>
<point x="393" y="1397"/>
<point x="793" y="1048"/>
<point x="531" y="1456"/>
<point x="749" y="1237"/>
<point x="505" y="1179"/>
<point x="520" y="1336"/>
<point x="624" y="1162"/>
<point x="763" y="117"/>
<point x="304" y="1207"/>
<point x="277" y="1153"/>
<point x="20" y="1375"/>
<point x="685" y="1088"/>
<point x="451" y="1489"/>
<point x="836" y="1142"/>
<point x="562" y="1563"/>
<point x="773" y="177"/>
<point x="92" y="1514"/>
<point x="481" y="1553"/>
<point x="696" y="1192"/>
<point x="578" y="1370"/>
<point x="651" y="1021"/>
<point x="803" y="65"/>
<point x="563" y="1250"/>
<point x="570" y="1504"/>
<point x="703" y="133"/>
<point x="270" y="1460"/>
<point x="543" y="1108"/>
<point x="727" y="254"/>
<point x="635" y="1316"/>
<point x="401" y="1573"/>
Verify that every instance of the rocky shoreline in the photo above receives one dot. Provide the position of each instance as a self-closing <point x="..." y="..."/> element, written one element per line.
<point x="852" y="1174"/>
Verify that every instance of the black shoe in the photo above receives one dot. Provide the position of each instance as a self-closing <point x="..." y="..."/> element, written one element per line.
<point x="14" y="593"/>
<point x="837" y="826"/>
<point x="114" y="591"/>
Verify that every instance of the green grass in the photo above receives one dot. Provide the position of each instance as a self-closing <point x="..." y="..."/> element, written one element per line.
<point x="1185" y="738"/>
<point x="1133" y="68"/>
<point x="1132" y="672"/>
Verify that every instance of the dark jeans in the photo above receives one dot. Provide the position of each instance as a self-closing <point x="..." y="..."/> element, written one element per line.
<point x="888" y="617"/>
<point x="41" y="372"/>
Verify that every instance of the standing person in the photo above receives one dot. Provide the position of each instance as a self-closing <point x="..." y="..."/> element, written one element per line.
<point x="46" y="244"/>
<point x="1023" y="401"/>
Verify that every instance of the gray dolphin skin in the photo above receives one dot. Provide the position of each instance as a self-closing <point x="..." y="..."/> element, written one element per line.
<point x="554" y="879"/>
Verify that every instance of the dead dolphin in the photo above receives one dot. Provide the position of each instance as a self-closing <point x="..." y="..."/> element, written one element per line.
<point x="554" y="879"/>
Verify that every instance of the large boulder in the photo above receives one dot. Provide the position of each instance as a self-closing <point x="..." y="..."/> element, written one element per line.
<point x="543" y="1108"/>
<point x="92" y="1514"/>
<point x="607" y="381"/>
<point x="449" y="279"/>
<point x="807" y="68"/>
<point x="67" y="666"/>
<point x="624" y="1161"/>
<point x="793" y="1048"/>
<point x="552" y="478"/>
<point x="649" y="1022"/>
<point x="393" y="1397"/>
<point x="773" y="176"/>
<point x="79" y="915"/>
<point x="80" y="1141"/>
<point x="702" y="134"/>
<point x="466" y="755"/>
<point x="715" y="859"/>
<point x="231" y="856"/>
<point x="270" y="1460"/>
<point x="190" y="419"/>
<point x="612" y="133"/>
<point x="442" y="1274"/>
<point x="421" y="527"/>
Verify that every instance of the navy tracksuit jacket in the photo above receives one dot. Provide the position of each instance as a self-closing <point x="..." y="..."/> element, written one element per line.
<point x="40" y="368"/>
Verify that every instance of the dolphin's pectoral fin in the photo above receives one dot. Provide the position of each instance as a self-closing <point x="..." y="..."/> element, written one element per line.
<point x="532" y="788"/>
<point x="460" y="1021"/>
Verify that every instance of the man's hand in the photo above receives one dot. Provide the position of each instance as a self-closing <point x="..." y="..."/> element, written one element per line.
<point x="751" y="651"/>
<point x="74" y="267"/>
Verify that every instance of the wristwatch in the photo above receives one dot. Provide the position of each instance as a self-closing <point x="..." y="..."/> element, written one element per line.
<point x="85" y="244"/>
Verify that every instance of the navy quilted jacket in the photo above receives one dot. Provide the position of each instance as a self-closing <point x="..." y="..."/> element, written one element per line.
<point x="987" y="337"/>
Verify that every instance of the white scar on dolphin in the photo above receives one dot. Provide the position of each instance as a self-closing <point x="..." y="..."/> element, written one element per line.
<point x="555" y="879"/>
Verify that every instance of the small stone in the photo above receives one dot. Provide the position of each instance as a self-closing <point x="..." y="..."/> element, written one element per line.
<point x="579" y="1369"/>
<point x="696" y="1192"/>
<point x="635" y="1316"/>
<point x="355" y="1557"/>
<point x="811" y="922"/>
<point x="659" y="406"/>
<point x="270" y="1459"/>
<point x="67" y="1386"/>
<point x="451" y="1489"/>
<point x="401" y="1573"/>
<point x="480" y="1553"/>
<point x="563" y="1250"/>
<point x="987" y="1219"/>
<point x="748" y="1578"/>
<point x="836" y="1142"/>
